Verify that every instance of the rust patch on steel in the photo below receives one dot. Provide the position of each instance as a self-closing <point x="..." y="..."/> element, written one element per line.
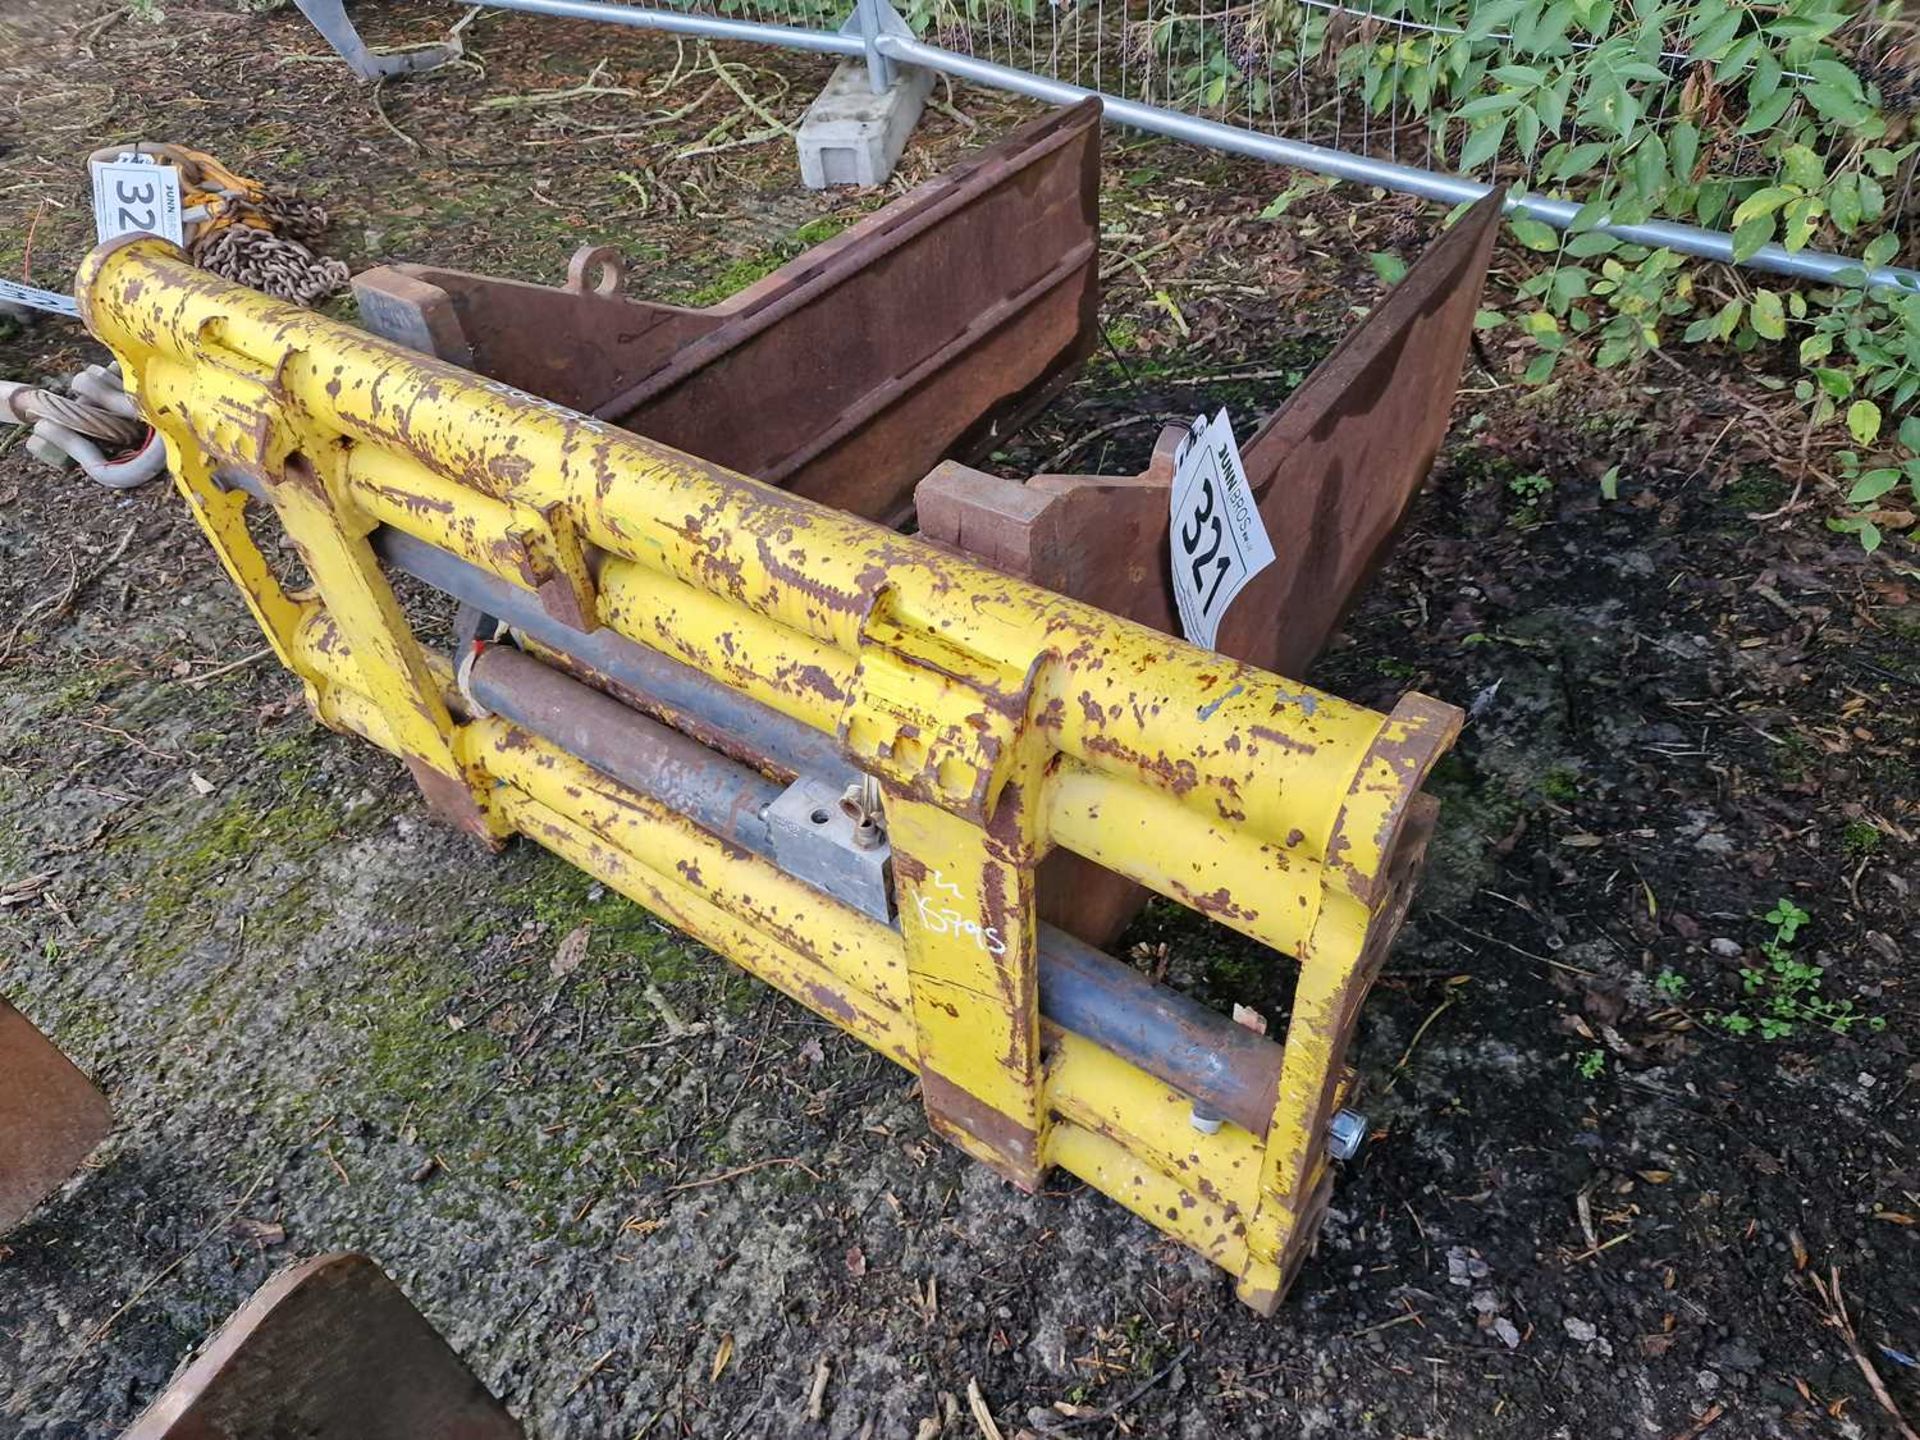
<point x="831" y="1002"/>
<point x="1010" y="1147"/>
<point x="452" y="799"/>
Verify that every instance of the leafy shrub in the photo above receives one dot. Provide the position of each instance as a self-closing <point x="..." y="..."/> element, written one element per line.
<point x="1783" y="123"/>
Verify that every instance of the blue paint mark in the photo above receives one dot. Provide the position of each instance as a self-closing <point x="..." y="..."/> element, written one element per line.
<point x="1206" y="711"/>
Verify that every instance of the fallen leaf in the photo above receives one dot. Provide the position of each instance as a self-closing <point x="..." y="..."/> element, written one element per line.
<point x="982" y="1416"/>
<point x="1799" y="1249"/>
<point x="572" y="950"/>
<point x="856" y="1261"/>
<point x="1655" y="1177"/>
<point x="721" y="1356"/>
<point x="200" y="783"/>
<point x="1895" y="1217"/>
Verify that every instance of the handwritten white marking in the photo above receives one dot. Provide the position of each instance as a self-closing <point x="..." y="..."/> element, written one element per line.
<point x="940" y="920"/>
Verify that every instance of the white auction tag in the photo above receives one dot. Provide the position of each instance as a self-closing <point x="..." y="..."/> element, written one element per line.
<point x="1219" y="542"/>
<point x="132" y="194"/>
<point x="39" y="299"/>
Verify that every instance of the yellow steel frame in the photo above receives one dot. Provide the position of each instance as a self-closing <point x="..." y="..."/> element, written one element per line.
<point x="1000" y="720"/>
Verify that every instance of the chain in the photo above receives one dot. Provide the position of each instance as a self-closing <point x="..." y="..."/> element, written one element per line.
<point x="276" y="265"/>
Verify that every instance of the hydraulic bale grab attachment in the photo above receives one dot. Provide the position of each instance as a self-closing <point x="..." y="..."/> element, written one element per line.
<point x="975" y="721"/>
<point x="837" y="755"/>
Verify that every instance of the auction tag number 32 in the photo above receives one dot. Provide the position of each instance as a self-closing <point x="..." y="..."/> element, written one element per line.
<point x="1219" y="542"/>
<point x="131" y="194"/>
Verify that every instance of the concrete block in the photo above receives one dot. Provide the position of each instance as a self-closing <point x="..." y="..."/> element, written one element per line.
<point x="850" y="135"/>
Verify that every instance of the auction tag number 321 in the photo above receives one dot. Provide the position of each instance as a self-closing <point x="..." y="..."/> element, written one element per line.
<point x="131" y="194"/>
<point x="1219" y="542"/>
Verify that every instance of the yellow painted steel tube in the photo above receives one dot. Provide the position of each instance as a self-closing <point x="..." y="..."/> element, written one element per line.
<point x="856" y="949"/>
<point x="1163" y="1202"/>
<point x="1098" y="1091"/>
<point x="1276" y="759"/>
<point x="400" y="491"/>
<point x="798" y="976"/>
<point x="803" y="678"/>
<point x="342" y="709"/>
<point x="321" y="654"/>
<point x="1148" y="836"/>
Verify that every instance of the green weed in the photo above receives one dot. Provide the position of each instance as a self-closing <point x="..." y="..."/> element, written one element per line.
<point x="1530" y="493"/>
<point x="1787" y="992"/>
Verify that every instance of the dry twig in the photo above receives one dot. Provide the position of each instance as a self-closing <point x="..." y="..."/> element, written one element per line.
<point x="199" y="681"/>
<point x="1837" y="1317"/>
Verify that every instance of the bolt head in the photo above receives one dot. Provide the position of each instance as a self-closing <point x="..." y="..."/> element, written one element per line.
<point x="1346" y="1133"/>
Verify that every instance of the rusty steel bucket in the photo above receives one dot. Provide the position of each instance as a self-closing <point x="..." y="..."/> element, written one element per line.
<point x="327" y="1350"/>
<point x="932" y="328"/>
<point x="51" y="1117"/>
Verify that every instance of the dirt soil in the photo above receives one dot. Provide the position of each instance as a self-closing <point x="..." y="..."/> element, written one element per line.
<point x="651" y="1197"/>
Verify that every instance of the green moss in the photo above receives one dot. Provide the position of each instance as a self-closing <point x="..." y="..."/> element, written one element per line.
<point x="1860" y="837"/>
<point x="1757" y="489"/>
<point x="84" y="690"/>
<point x="562" y="898"/>
<point x="1215" y="965"/>
<point x="1561" y="783"/>
<point x="742" y="273"/>
<point x="193" y="869"/>
<point x="543" y="1122"/>
<point x="1793" y="757"/>
<point x="1478" y="806"/>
